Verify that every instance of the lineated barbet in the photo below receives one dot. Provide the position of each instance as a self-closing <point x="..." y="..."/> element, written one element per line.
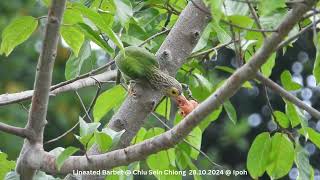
<point x="138" y="64"/>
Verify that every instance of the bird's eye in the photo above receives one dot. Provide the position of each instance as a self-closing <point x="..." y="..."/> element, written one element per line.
<point x="173" y="92"/>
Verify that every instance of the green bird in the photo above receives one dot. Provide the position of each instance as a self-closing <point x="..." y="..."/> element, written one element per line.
<point x="139" y="65"/>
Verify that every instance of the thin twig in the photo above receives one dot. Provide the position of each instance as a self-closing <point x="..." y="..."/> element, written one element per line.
<point x="154" y="36"/>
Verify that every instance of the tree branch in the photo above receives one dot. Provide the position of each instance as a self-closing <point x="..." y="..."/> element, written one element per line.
<point x="76" y="84"/>
<point x="170" y="138"/>
<point x="21" y="132"/>
<point x="286" y="95"/>
<point x="40" y="98"/>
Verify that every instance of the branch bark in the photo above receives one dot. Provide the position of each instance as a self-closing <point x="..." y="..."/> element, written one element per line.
<point x="286" y="95"/>
<point x="21" y="132"/>
<point x="176" y="134"/>
<point x="40" y="98"/>
<point x="177" y="46"/>
<point x="6" y="99"/>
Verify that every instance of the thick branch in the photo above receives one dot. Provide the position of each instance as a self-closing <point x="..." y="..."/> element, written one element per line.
<point x="70" y="86"/>
<point x="170" y="138"/>
<point x="177" y="46"/>
<point x="40" y="99"/>
<point x="21" y="132"/>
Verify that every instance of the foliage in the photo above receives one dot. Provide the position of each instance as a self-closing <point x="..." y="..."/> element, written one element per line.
<point x="99" y="30"/>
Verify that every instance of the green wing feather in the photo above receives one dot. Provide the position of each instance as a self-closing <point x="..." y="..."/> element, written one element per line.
<point x="137" y="62"/>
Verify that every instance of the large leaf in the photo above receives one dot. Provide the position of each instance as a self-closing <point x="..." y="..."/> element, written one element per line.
<point x="282" y="119"/>
<point x="164" y="108"/>
<point x="65" y="155"/>
<point x="267" y="7"/>
<point x="74" y="64"/>
<point x="194" y="138"/>
<point x="95" y="37"/>
<point x="5" y="165"/>
<point x="87" y="128"/>
<point x="231" y="111"/>
<point x="124" y="11"/>
<point x="102" y="23"/>
<point x="303" y="164"/>
<point x="267" y="67"/>
<point x="107" y="101"/>
<point x="72" y="16"/>
<point x="203" y="81"/>
<point x="17" y="32"/>
<point x="313" y="135"/>
<point x="73" y="37"/>
<point x="316" y="66"/>
<point x="293" y="114"/>
<point x="210" y="118"/>
<point x="103" y="140"/>
<point x="281" y="156"/>
<point x="287" y="82"/>
<point x="258" y="155"/>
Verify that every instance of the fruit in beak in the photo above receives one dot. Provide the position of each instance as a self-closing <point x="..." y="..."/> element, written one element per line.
<point x="186" y="106"/>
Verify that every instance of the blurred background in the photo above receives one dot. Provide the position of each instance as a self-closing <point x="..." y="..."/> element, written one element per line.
<point x="226" y="143"/>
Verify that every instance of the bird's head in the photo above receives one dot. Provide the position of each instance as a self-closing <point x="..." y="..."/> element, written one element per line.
<point x="173" y="89"/>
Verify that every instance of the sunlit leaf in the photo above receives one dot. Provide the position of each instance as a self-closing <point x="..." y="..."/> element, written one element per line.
<point x="18" y="31"/>
<point x="231" y="111"/>
<point x="5" y="165"/>
<point x="282" y="119"/>
<point x="74" y="64"/>
<point x="287" y="82"/>
<point x="65" y="155"/>
<point x="258" y="155"/>
<point x="267" y="67"/>
<point x="103" y="140"/>
<point x="73" y="37"/>
<point x="303" y="164"/>
<point x="107" y="101"/>
<point x="281" y="156"/>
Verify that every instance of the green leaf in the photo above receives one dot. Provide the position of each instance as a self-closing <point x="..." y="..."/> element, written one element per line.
<point x="243" y="21"/>
<point x="313" y="135"/>
<point x="212" y="117"/>
<point x="267" y="7"/>
<point x="222" y="35"/>
<point x="123" y="11"/>
<point x="231" y="111"/>
<point x="282" y="119"/>
<point x="65" y="155"/>
<point x="74" y="64"/>
<point x="164" y="107"/>
<point x="158" y="161"/>
<point x="287" y="82"/>
<point x="203" y="81"/>
<point x="292" y="113"/>
<point x="281" y="156"/>
<point x="103" y="140"/>
<point x="153" y="132"/>
<point x="18" y="31"/>
<point x="5" y="165"/>
<point x="191" y="166"/>
<point x="73" y="37"/>
<point x="102" y="23"/>
<point x="107" y="101"/>
<point x="316" y="66"/>
<point x="140" y="136"/>
<point x="72" y="16"/>
<point x="194" y="138"/>
<point x="115" y="136"/>
<point x="258" y="154"/>
<point x="95" y="37"/>
<point x="303" y="164"/>
<point x="87" y="128"/>
<point x="267" y="67"/>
